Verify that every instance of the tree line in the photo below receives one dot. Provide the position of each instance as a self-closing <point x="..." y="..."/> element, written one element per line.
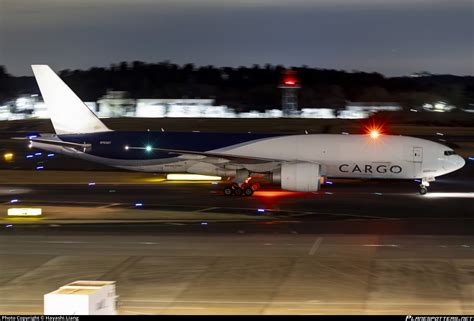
<point x="255" y="87"/>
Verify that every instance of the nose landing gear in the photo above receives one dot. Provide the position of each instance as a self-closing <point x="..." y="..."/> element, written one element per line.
<point x="425" y="183"/>
<point x="423" y="190"/>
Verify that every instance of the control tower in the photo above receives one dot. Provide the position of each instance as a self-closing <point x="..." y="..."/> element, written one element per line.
<point x="289" y="86"/>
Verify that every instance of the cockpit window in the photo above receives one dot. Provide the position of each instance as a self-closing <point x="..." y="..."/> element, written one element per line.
<point x="449" y="152"/>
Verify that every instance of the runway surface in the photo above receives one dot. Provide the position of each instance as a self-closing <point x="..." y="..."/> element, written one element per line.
<point x="355" y="247"/>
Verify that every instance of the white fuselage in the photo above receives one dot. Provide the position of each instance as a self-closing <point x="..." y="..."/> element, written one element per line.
<point x="345" y="156"/>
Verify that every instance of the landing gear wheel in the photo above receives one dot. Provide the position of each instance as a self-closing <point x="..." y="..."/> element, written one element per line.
<point x="423" y="190"/>
<point x="248" y="191"/>
<point x="238" y="191"/>
<point x="228" y="191"/>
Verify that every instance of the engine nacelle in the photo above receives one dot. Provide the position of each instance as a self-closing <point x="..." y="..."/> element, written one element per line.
<point x="299" y="177"/>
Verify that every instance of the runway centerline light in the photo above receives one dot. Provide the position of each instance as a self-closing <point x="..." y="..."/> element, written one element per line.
<point x="126" y="147"/>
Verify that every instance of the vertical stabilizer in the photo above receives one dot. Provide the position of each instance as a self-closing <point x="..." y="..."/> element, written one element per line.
<point x="68" y="113"/>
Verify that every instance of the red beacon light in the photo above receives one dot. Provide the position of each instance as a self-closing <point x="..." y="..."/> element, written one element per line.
<point x="374" y="134"/>
<point x="374" y="131"/>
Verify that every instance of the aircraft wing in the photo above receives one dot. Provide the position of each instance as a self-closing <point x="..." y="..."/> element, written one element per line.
<point x="195" y="155"/>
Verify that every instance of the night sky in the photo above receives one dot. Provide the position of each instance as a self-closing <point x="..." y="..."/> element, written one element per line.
<point x="392" y="37"/>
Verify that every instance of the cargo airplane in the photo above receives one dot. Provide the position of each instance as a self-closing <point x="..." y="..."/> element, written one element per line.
<point x="295" y="162"/>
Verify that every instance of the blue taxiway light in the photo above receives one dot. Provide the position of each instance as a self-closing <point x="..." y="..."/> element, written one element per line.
<point x="14" y="200"/>
<point x="39" y="167"/>
<point x="261" y="210"/>
<point x="329" y="182"/>
<point x="32" y="136"/>
<point x="91" y="184"/>
<point x="38" y="154"/>
<point x="29" y="156"/>
<point x="203" y="223"/>
<point x="50" y="155"/>
<point x="471" y="158"/>
<point x="138" y="204"/>
<point x="9" y="225"/>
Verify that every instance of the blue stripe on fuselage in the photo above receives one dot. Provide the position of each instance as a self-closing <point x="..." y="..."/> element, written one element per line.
<point x="112" y="144"/>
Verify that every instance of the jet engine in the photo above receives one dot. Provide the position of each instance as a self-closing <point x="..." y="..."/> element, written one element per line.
<point x="299" y="177"/>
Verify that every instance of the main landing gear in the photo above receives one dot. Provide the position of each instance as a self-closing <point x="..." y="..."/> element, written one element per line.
<point x="240" y="190"/>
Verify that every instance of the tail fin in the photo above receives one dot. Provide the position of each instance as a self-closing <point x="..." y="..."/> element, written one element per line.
<point x="68" y="113"/>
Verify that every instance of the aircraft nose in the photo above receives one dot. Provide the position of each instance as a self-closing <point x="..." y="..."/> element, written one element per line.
<point x="459" y="162"/>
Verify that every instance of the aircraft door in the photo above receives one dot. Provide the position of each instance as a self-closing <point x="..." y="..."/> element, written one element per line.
<point x="417" y="158"/>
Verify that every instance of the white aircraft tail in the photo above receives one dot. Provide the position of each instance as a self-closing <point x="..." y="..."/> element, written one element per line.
<point x="68" y="113"/>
